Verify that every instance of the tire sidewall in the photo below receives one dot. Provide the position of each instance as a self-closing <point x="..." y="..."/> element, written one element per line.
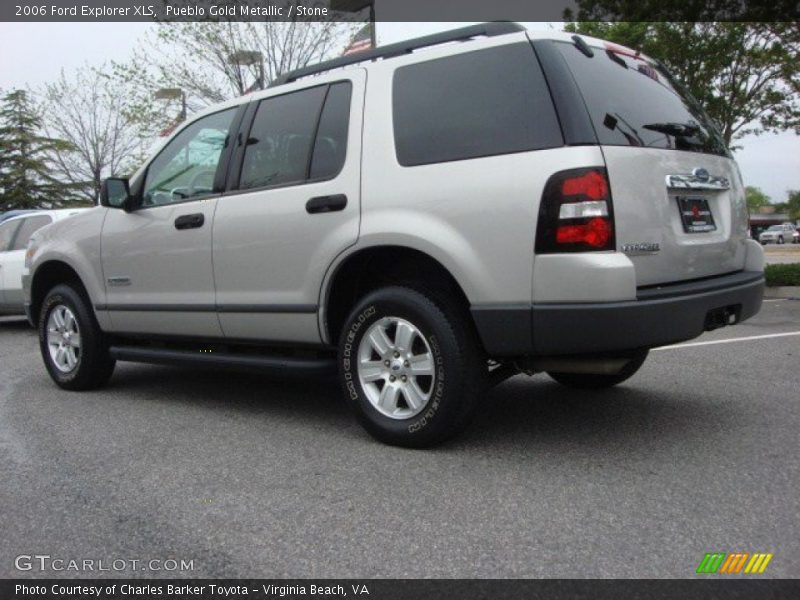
<point x="442" y="406"/>
<point x="65" y="295"/>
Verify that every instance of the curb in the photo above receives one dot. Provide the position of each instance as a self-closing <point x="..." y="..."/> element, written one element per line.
<point x="787" y="292"/>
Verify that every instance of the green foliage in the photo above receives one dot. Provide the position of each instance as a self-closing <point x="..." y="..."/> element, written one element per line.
<point x="755" y="198"/>
<point x="780" y="275"/>
<point x="745" y="75"/>
<point x="26" y="179"/>
<point x="793" y="205"/>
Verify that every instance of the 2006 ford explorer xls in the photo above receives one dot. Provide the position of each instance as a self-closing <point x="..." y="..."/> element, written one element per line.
<point x="426" y="223"/>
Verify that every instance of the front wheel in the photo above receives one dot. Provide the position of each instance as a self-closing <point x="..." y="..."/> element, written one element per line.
<point x="73" y="346"/>
<point x="411" y="368"/>
<point x="586" y="381"/>
<point x="780" y="240"/>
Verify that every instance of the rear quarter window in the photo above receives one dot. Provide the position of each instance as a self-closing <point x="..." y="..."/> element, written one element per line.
<point x="480" y="103"/>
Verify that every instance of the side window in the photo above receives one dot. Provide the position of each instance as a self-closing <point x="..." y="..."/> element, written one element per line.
<point x="480" y="103"/>
<point x="279" y="144"/>
<point x="330" y="147"/>
<point x="186" y="167"/>
<point x="28" y="228"/>
<point x="7" y="231"/>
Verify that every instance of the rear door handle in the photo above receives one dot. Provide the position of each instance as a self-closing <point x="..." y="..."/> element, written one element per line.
<point x="324" y="204"/>
<point x="190" y="221"/>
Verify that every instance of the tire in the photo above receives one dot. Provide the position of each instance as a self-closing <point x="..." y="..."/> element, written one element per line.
<point x="398" y="403"/>
<point x="585" y="381"/>
<point x="64" y="317"/>
<point x="780" y="239"/>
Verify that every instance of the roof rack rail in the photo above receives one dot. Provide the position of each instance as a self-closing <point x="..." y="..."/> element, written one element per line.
<point x="399" y="49"/>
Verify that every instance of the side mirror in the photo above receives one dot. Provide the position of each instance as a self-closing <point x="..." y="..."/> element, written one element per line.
<point x="116" y="193"/>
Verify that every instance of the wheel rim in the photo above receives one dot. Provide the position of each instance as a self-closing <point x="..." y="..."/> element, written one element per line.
<point x="395" y="368"/>
<point x="63" y="339"/>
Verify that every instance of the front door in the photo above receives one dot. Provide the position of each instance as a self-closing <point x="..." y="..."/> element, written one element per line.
<point x="157" y="258"/>
<point x="295" y="207"/>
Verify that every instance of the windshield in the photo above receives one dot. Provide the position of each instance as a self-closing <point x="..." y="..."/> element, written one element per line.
<point x="776" y="228"/>
<point x="635" y="102"/>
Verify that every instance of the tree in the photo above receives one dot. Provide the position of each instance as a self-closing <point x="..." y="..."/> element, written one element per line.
<point x="26" y="172"/>
<point x="87" y="110"/>
<point x="793" y="204"/>
<point x="746" y="75"/>
<point x="199" y="58"/>
<point x="755" y="198"/>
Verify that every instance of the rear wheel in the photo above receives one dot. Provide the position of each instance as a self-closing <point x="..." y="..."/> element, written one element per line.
<point x="585" y="381"/>
<point x="780" y="239"/>
<point x="410" y="366"/>
<point x="73" y="347"/>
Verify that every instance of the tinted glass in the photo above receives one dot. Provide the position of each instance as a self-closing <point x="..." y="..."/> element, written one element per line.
<point x="7" y="231"/>
<point x="633" y="102"/>
<point x="330" y="148"/>
<point x="279" y="145"/>
<point x="480" y="103"/>
<point x="186" y="167"/>
<point x="28" y="228"/>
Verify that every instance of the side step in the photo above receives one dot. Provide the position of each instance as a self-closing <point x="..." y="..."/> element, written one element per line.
<point x="272" y="365"/>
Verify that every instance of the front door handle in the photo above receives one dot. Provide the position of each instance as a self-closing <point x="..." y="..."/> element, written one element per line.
<point x="325" y="204"/>
<point x="190" y="221"/>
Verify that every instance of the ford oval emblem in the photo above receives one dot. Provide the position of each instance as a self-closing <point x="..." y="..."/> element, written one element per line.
<point x="701" y="174"/>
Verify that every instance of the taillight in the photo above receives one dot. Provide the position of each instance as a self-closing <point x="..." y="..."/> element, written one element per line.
<point x="576" y="213"/>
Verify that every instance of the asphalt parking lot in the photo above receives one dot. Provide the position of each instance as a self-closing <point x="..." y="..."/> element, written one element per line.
<point x="249" y="476"/>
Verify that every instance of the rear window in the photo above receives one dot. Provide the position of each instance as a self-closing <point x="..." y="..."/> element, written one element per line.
<point x="634" y="102"/>
<point x="480" y="103"/>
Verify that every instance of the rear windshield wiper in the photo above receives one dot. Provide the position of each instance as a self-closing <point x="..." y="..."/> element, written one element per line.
<point x="674" y="129"/>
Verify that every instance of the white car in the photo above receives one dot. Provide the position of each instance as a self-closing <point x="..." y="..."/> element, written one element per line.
<point x="779" y="234"/>
<point x="14" y="235"/>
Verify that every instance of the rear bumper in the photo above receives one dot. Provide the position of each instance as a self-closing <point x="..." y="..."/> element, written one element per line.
<point x="659" y="316"/>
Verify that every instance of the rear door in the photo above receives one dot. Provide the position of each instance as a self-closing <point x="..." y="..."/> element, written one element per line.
<point x="679" y="202"/>
<point x="7" y="231"/>
<point x="293" y="206"/>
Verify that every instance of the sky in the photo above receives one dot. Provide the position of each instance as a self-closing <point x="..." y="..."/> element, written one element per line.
<point x="33" y="53"/>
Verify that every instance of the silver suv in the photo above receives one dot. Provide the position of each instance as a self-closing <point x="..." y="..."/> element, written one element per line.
<point x="425" y="223"/>
<point x="779" y="234"/>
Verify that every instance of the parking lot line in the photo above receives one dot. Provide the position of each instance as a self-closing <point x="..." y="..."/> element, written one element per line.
<point x="730" y="340"/>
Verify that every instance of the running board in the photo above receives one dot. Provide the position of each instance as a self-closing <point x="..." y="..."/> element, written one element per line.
<point x="273" y="365"/>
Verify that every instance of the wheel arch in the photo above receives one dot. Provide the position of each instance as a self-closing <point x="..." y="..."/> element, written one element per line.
<point x="359" y="272"/>
<point x="49" y="274"/>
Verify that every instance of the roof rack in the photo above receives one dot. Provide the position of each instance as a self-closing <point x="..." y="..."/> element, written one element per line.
<point x="402" y="48"/>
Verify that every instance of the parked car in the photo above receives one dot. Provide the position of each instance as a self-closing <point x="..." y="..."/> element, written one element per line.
<point x="14" y="235"/>
<point x="796" y="235"/>
<point x="426" y="223"/>
<point x="778" y="234"/>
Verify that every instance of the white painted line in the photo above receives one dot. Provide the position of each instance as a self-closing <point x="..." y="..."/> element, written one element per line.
<point x="730" y="340"/>
<point x="775" y="299"/>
